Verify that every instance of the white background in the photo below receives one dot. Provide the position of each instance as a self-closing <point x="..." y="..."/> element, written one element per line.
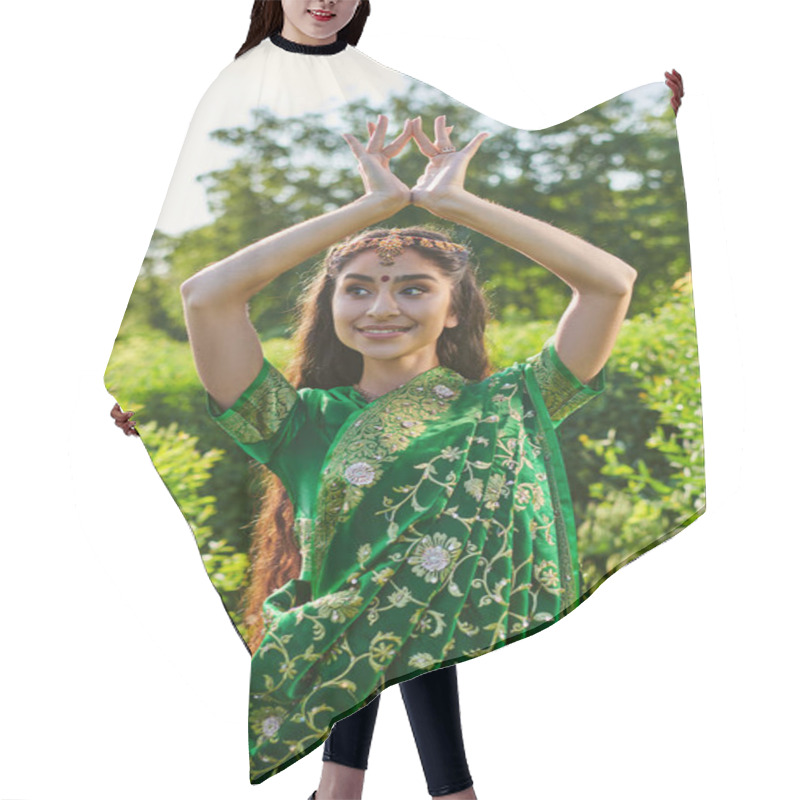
<point x="675" y="680"/>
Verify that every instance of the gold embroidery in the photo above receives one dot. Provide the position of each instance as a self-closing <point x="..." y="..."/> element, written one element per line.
<point x="561" y="394"/>
<point x="434" y="556"/>
<point x="380" y="434"/>
<point x="262" y="412"/>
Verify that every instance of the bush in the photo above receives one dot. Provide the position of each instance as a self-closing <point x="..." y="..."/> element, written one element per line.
<point x="656" y="354"/>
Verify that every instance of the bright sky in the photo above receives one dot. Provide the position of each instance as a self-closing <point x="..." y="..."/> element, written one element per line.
<point x="317" y="84"/>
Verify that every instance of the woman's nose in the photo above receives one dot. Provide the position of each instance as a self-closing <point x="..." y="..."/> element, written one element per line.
<point x="383" y="305"/>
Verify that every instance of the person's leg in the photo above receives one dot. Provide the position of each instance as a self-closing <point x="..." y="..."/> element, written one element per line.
<point x="345" y="755"/>
<point x="433" y="710"/>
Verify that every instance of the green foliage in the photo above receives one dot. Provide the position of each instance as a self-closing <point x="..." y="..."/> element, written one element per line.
<point x="155" y="377"/>
<point x="186" y="472"/>
<point x="657" y="356"/>
<point x="612" y="176"/>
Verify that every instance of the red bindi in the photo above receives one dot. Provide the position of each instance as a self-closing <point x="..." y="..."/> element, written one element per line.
<point x="385" y="278"/>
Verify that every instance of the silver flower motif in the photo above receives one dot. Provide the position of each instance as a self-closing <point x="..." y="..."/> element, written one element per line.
<point x="433" y="556"/>
<point x="442" y="391"/>
<point x="435" y="559"/>
<point x="270" y="726"/>
<point x="359" y="474"/>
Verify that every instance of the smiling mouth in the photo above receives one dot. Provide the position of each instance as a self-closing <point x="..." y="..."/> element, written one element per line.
<point x="377" y="331"/>
<point x="321" y="15"/>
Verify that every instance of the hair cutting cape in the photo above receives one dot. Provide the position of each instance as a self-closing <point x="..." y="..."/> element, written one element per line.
<point x="448" y="517"/>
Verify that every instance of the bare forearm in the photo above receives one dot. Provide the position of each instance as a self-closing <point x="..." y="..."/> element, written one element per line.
<point x="237" y="278"/>
<point x="586" y="268"/>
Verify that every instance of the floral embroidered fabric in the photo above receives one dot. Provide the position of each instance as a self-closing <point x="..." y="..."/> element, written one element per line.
<point x="435" y="524"/>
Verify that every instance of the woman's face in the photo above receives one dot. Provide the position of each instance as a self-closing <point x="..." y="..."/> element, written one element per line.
<point x="316" y="22"/>
<point x="392" y="312"/>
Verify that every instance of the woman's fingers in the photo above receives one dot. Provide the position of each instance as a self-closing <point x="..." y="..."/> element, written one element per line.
<point x="399" y="142"/>
<point x="120" y="415"/>
<point x="425" y="145"/>
<point x="442" y="134"/>
<point x="378" y="135"/>
<point x="443" y="143"/>
<point x="412" y="129"/>
<point x="122" y="419"/>
<point x="372" y="136"/>
<point x="674" y="82"/>
<point x="476" y="142"/>
<point x="358" y="149"/>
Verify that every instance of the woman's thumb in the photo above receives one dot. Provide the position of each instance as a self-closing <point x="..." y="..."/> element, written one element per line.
<point x="476" y="142"/>
<point x="355" y="145"/>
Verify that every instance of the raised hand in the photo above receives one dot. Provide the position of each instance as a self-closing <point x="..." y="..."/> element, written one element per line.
<point x="373" y="163"/>
<point x="442" y="183"/>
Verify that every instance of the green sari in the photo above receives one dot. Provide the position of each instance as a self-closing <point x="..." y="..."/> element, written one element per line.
<point x="435" y="525"/>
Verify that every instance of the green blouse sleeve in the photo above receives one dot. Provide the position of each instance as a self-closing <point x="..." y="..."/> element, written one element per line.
<point x="262" y="414"/>
<point x="563" y="393"/>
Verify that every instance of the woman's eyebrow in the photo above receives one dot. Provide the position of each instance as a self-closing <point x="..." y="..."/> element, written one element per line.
<point x="398" y="279"/>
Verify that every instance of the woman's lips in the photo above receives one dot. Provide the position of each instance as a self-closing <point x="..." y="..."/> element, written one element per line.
<point x="323" y="16"/>
<point x="377" y="333"/>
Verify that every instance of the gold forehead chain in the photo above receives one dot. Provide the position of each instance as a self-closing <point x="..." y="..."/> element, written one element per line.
<point x="389" y="247"/>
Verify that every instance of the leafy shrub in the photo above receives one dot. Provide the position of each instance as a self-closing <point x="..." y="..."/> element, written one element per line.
<point x="186" y="472"/>
<point x="657" y="354"/>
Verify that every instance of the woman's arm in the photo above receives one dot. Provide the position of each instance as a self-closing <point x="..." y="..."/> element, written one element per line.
<point x="602" y="284"/>
<point x="226" y="348"/>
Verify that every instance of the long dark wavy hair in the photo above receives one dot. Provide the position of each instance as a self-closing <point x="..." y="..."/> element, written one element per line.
<point x="266" y="18"/>
<point x="321" y="361"/>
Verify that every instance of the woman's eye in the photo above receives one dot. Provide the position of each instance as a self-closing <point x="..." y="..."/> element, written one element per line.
<point x="410" y="291"/>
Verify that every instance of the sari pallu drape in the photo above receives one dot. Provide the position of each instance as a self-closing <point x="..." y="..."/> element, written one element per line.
<point x="442" y="530"/>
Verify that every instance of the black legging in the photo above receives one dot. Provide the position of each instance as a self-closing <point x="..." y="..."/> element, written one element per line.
<point x="431" y="701"/>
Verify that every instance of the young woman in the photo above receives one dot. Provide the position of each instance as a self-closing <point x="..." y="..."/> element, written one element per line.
<point x="390" y="413"/>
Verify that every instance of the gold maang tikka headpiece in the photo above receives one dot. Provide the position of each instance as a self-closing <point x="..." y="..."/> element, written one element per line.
<point x="390" y="246"/>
